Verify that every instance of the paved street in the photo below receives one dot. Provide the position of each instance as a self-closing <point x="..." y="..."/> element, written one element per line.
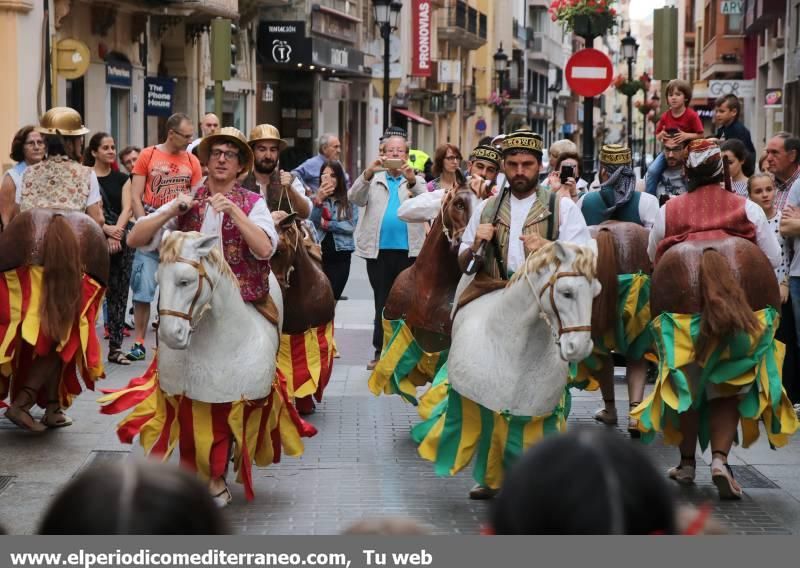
<point x="362" y="463"/>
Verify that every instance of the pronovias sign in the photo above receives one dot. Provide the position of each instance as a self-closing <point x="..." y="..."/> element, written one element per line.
<point x="421" y="60"/>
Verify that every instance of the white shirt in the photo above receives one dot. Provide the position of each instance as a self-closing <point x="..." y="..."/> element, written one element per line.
<point x="297" y="186"/>
<point x="572" y="227"/>
<point x="212" y="225"/>
<point x="193" y="144"/>
<point x="765" y="238"/>
<point x="94" y="189"/>
<point x="422" y="207"/>
<point x="648" y="209"/>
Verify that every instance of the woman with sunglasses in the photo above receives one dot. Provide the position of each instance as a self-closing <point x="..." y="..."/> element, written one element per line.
<point x="27" y="148"/>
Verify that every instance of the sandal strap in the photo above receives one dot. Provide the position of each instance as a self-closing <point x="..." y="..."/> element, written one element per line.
<point x="720" y="452"/>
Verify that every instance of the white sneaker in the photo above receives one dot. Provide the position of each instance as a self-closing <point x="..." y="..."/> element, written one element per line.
<point x="797" y="409"/>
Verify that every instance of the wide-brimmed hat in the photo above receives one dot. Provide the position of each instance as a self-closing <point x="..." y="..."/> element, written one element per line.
<point x="267" y="132"/>
<point x="63" y="121"/>
<point x="233" y="136"/>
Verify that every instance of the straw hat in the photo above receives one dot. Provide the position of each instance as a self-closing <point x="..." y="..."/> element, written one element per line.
<point x="233" y="136"/>
<point x="267" y="132"/>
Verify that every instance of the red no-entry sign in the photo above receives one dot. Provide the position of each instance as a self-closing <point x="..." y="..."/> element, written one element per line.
<point x="589" y="72"/>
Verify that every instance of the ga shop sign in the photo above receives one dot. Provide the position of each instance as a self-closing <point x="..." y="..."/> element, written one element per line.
<point x="283" y="43"/>
<point x="159" y="96"/>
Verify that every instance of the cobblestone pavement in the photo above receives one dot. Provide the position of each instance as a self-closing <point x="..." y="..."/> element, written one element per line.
<point x="363" y="462"/>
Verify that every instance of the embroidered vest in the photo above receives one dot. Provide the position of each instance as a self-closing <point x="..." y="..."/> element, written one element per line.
<point x="708" y="212"/>
<point x="252" y="273"/>
<point x="56" y="182"/>
<point x="543" y="217"/>
<point x="594" y="209"/>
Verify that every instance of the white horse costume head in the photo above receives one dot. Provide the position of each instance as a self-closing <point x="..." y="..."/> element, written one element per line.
<point x="214" y="347"/>
<point x="510" y="348"/>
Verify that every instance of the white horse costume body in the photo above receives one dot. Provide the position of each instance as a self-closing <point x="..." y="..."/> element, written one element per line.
<point x="224" y="356"/>
<point x="504" y="355"/>
<point x="212" y="391"/>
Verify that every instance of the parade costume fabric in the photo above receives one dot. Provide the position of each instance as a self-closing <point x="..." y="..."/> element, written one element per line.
<point x="258" y="431"/>
<point x="630" y="335"/>
<point x="403" y="365"/>
<point x="306" y="361"/>
<point x="742" y="365"/>
<point x="22" y="339"/>
<point x="458" y="430"/>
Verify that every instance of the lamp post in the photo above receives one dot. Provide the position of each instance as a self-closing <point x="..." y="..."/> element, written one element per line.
<point x="656" y="99"/>
<point x="554" y="90"/>
<point x="500" y="65"/>
<point x="387" y="14"/>
<point x="629" y="49"/>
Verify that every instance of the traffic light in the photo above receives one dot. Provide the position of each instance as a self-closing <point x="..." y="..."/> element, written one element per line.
<point x="224" y="42"/>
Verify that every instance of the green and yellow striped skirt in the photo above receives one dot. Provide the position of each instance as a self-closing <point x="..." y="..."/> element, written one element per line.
<point x="458" y="430"/>
<point x="746" y="366"/>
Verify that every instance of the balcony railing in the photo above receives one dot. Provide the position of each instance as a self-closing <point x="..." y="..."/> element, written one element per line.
<point x="462" y="25"/>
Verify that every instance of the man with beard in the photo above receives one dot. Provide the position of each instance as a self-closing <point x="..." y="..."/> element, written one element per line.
<point x="484" y="163"/>
<point x="672" y="181"/>
<point x="283" y="192"/>
<point x="527" y="216"/>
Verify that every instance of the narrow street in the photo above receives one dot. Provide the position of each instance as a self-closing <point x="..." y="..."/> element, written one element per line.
<point x="363" y="462"/>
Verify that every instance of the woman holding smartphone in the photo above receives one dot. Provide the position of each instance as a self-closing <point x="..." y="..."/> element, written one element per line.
<point x="334" y="219"/>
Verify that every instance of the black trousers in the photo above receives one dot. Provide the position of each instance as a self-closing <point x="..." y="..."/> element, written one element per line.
<point x="117" y="295"/>
<point x="382" y="272"/>
<point x="786" y="333"/>
<point x="335" y="265"/>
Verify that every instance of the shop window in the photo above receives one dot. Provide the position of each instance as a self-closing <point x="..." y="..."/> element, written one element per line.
<point x="234" y="109"/>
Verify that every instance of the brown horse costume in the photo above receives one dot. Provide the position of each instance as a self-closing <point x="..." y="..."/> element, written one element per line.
<point x="621" y="249"/>
<point x="70" y="250"/>
<point x="724" y="280"/>
<point x="307" y="293"/>
<point x="65" y="244"/>
<point x="307" y="349"/>
<point x="423" y="294"/>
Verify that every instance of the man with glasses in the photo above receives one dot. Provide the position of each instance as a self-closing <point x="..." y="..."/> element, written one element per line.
<point x="221" y="207"/>
<point x="161" y="173"/>
<point x="672" y="181"/>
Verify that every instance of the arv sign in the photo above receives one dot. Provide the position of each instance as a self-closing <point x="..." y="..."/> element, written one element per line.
<point x="421" y="53"/>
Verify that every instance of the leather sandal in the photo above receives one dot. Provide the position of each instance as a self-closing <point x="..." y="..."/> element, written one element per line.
<point x="633" y="423"/>
<point x="118" y="357"/>
<point x="21" y="417"/>
<point x="223" y="498"/>
<point x="723" y="479"/>
<point x="61" y="419"/>
<point x="684" y="472"/>
<point x="605" y="416"/>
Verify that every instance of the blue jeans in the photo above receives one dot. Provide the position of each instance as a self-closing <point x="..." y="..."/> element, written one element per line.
<point x="143" y="276"/>
<point x="654" y="174"/>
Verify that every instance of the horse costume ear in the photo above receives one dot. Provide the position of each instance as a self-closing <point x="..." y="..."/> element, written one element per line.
<point x="562" y="253"/>
<point x="596" y="288"/>
<point x="205" y="243"/>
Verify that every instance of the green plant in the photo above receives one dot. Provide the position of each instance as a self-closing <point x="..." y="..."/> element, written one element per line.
<point x="565" y="11"/>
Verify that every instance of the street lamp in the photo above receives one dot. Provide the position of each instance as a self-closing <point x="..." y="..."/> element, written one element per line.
<point x="554" y="90"/>
<point x="656" y="99"/>
<point x="500" y="65"/>
<point x="387" y="15"/>
<point x="629" y="49"/>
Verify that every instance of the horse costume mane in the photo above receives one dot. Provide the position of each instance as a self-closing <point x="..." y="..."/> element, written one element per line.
<point x="172" y="245"/>
<point x="584" y="263"/>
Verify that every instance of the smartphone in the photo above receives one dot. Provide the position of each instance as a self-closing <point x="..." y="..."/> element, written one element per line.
<point x="393" y="163"/>
<point x="567" y="172"/>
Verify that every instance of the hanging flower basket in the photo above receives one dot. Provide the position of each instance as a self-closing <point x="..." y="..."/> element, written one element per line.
<point x="630" y="88"/>
<point x="499" y="101"/>
<point x="586" y="18"/>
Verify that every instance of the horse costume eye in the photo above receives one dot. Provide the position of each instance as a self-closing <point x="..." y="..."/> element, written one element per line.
<point x="568" y="294"/>
<point x="460" y="206"/>
<point x="183" y="283"/>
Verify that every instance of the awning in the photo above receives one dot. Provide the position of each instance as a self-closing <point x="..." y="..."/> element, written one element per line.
<point x="413" y="116"/>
